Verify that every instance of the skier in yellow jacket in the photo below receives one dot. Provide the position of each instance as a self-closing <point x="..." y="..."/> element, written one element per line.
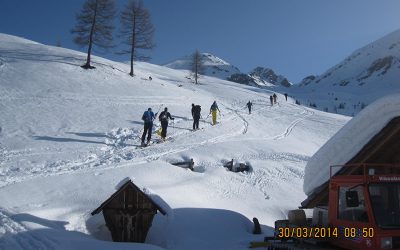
<point x="213" y="112"/>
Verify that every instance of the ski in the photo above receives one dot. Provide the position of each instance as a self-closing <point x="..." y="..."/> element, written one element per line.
<point x="168" y="139"/>
<point x="156" y="141"/>
<point x="194" y="130"/>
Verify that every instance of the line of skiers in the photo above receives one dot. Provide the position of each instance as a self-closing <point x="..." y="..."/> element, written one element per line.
<point x="273" y="98"/>
<point x="148" y="117"/>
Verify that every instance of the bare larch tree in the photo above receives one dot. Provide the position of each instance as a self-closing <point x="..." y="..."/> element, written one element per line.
<point x="197" y="66"/>
<point x="95" y="26"/>
<point x="136" y="30"/>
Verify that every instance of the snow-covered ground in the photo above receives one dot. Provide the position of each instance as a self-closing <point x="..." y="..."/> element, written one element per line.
<point x="69" y="136"/>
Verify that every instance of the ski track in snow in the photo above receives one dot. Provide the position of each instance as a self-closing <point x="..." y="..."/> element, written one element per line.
<point x="114" y="157"/>
<point x="262" y="179"/>
<point x="245" y="122"/>
<point x="289" y="129"/>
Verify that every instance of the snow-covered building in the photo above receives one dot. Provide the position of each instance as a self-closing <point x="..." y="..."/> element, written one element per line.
<point x="129" y="212"/>
<point x="373" y="136"/>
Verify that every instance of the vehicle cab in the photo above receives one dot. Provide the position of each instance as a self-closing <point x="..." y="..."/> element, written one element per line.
<point x="364" y="206"/>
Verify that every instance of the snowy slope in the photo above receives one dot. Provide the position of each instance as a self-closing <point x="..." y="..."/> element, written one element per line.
<point x="69" y="135"/>
<point x="213" y="65"/>
<point x="344" y="145"/>
<point x="367" y="74"/>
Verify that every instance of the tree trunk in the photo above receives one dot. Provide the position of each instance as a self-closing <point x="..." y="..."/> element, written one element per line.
<point x="133" y="45"/>
<point x="87" y="64"/>
<point x="196" y="67"/>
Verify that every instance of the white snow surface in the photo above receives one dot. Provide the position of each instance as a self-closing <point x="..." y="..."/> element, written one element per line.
<point x="68" y="136"/>
<point x="349" y="140"/>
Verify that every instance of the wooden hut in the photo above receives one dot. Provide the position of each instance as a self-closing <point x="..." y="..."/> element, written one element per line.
<point x="128" y="213"/>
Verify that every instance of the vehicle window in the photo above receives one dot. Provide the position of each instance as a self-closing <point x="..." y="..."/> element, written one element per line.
<point x="354" y="213"/>
<point x="385" y="200"/>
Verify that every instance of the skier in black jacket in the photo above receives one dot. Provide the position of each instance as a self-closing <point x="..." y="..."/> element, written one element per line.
<point x="249" y="105"/>
<point x="164" y="118"/>
<point x="196" y="110"/>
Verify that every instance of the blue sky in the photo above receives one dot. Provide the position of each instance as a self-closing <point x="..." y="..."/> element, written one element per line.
<point x="295" y="38"/>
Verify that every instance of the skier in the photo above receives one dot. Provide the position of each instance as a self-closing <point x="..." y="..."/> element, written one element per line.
<point x="274" y="98"/>
<point x="286" y="96"/>
<point x="196" y="109"/>
<point x="148" y="118"/>
<point x="271" y="99"/>
<point x="164" y="118"/>
<point x="213" y="111"/>
<point x="249" y="104"/>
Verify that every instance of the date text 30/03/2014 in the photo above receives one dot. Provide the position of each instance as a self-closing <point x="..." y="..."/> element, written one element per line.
<point x="324" y="232"/>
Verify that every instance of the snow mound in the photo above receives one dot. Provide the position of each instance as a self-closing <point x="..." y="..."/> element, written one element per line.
<point x="14" y="39"/>
<point x="20" y="231"/>
<point x="118" y="136"/>
<point x="349" y="141"/>
<point x="159" y="201"/>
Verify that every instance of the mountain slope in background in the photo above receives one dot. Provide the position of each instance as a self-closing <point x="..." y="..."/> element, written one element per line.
<point x="368" y="73"/>
<point x="213" y="65"/>
<point x="216" y="67"/>
<point x="266" y="76"/>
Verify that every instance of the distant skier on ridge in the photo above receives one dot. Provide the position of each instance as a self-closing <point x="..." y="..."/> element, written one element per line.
<point x="249" y="105"/>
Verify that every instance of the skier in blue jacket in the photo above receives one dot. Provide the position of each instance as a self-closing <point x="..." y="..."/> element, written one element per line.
<point x="148" y="118"/>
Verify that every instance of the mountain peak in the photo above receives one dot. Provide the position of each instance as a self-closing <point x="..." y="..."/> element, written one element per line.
<point x="213" y="65"/>
<point x="267" y="76"/>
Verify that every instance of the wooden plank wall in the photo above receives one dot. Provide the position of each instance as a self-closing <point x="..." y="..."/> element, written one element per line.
<point x="129" y="216"/>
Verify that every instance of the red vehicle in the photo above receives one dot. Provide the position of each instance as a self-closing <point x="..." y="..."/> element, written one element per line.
<point x="363" y="210"/>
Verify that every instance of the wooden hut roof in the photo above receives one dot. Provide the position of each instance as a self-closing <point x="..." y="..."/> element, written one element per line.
<point x="126" y="184"/>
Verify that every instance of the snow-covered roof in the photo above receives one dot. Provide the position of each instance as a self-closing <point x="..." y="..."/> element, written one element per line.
<point x="160" y="204"/>
<point x="348" y="141"/>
